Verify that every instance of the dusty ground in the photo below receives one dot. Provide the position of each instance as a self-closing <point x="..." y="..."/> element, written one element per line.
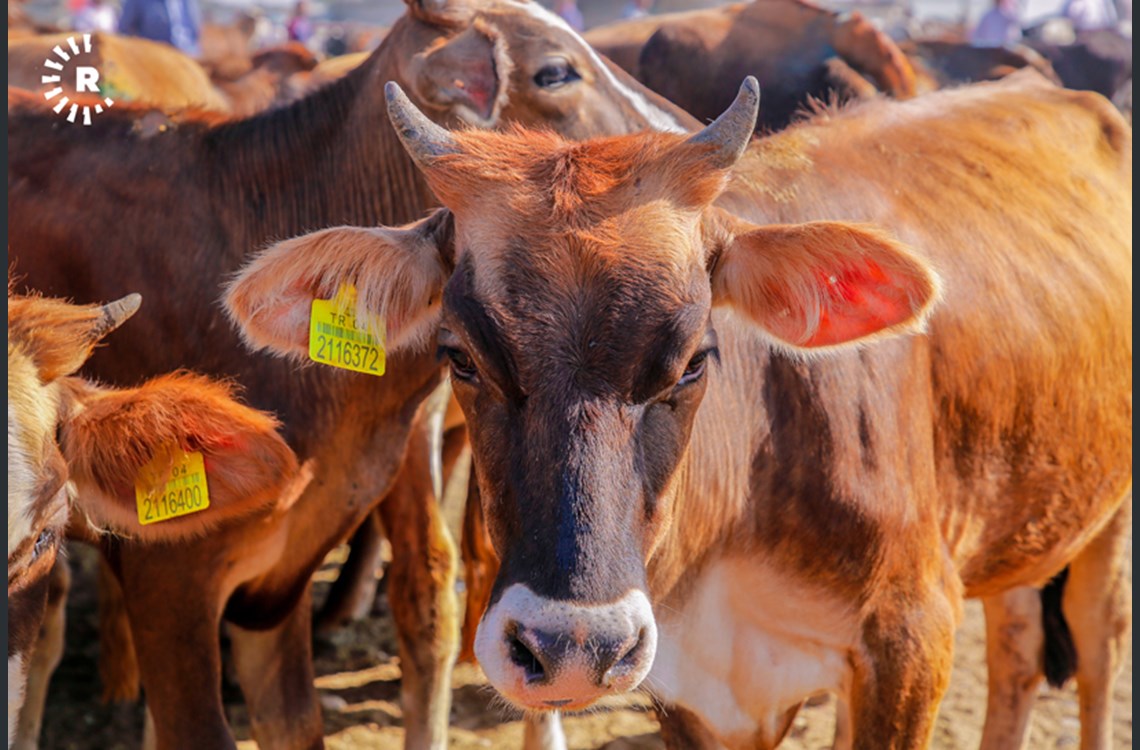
<point x="359" y="682"/>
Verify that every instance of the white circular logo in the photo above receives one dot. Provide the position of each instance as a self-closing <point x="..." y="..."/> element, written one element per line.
<point x="86" y="81"/>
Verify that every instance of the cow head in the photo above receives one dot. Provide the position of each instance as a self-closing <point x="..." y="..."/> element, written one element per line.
<point x="75" y="444"/>
<point x="572" y="298"/>
<point x="488" y="62"/>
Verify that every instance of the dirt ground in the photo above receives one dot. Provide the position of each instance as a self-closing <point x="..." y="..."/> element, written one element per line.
<point x="358" y="679"/>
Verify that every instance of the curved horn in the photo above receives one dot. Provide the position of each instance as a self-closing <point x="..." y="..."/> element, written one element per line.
<point x="732" y="131"/>
<point x="115" y="314"/>
<point x="423" y="139"/>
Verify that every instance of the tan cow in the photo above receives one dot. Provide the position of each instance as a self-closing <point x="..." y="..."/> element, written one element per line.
<point x="694" y="479"/>
<point x="130" y="69"/>
<point x="78" y="449"/>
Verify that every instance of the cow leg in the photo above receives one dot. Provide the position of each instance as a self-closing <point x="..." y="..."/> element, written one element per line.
<point x="480" y="566"/>
<point x="275" y="670"/>
<point x="902" y="670"/>
<point x="351" y="595"/>
<point x="544" y="732"/>
<point x="1014" y="644"/>
<point x="118" y="667"/>
<point x="421" y="593"/>
<point x="48" y="651"/>
<point x="176" y="642"/>
<point x="1097" y="603"/>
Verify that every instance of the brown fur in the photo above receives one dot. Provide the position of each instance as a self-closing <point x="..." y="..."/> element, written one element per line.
<point x="184" y="205"/>
<point x="104" y="437"/>
<point x="697" y="59"/>
<point x="900" y="477"/>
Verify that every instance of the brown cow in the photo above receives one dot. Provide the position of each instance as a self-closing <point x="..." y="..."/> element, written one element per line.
<point x="943" y="62"/>
<point x="693" y="479"/>
<point x="797" y="50"/>
<point x="181" y="204"/>
<point x="73" y="443"/>
<point x="267" y="82"/>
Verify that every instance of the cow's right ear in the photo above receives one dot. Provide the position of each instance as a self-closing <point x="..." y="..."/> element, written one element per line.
<point x="398" y="275"/>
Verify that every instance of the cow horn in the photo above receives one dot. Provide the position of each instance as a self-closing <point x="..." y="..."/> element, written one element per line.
<point x="115" y="314"/>
<point x="423" y="139"/>
<point x="732" y="131"/>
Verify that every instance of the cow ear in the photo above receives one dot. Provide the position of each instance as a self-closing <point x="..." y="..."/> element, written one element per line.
<point x="115" y="439"/>
<point x="822" y="284"/>
<point x="467" y="76"/>
<point x="398" y="275"/>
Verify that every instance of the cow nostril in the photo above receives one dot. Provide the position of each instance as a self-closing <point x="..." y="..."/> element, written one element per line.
<point x="524" y="658"/>
<point x="627" y="662"/>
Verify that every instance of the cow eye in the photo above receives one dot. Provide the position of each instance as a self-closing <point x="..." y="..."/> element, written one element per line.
<point x="462" y="366"/>
<point x="44" y="543"/>
<point x="696" y="368"/>
<point x="555" y="73"/>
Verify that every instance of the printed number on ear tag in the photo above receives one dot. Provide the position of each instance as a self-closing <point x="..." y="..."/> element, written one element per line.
<point x="337" y="338"/>
<point x="183" y="492"/>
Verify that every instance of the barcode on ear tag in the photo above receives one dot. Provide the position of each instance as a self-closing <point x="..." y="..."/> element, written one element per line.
<point x="184" y="491"/>
<point x="338" y="339"/>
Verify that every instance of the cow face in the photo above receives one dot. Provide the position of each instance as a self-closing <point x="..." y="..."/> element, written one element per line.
<point x="73" y="444"/>
<point x="488" y="62"/>
<point x="572" y="300"/>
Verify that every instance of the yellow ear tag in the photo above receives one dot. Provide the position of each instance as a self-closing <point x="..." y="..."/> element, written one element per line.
<point x="336" y="337"/>
<point x="162" y="494"/>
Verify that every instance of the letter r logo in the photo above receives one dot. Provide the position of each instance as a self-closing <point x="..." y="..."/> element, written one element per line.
<point x="86" y="79"/>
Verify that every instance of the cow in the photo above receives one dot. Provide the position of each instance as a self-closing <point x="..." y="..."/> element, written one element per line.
<point x="735" y="437"/>
<point x="76" y="451"/>
<point x="181" y="204"/>
<point x="942" y="62"/>
<point x="267" y="81"/>
<point x="130" y="69"/>
<point x="797" y="50"/>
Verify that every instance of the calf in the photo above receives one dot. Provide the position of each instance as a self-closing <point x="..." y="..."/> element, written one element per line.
<point x="76" y="446"/>
<point x="694" y="478"/>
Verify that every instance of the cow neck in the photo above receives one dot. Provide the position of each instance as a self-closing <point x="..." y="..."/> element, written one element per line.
<point x="328" y="159"/>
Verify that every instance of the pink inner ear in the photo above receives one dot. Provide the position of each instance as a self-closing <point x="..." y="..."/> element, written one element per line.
<point x="856" y="301"/>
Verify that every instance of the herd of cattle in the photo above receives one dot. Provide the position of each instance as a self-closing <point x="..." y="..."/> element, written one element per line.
<point x="749" y="417"/>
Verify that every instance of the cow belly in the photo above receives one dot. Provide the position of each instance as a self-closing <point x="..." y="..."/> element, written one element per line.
<point x="747" y="645"/>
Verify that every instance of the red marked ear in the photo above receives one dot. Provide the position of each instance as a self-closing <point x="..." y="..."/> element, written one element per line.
<point x="466" y="76"/>
<point x="108" y="436"/>
<point x="823" y="284"/>
<point x="398" y="275"/>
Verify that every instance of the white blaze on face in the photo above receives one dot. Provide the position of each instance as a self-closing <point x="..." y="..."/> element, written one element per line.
<point x="657" y="118"/>
<point x="16" y="681"/>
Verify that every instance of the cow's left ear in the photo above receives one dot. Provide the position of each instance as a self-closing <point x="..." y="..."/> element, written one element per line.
<point x="109" y="436"/>
<point x="820" y="284"/>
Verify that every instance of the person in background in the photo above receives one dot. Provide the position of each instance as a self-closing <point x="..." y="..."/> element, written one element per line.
<point x="570" y="13"/>
<point x="636" y="9"/>
<point x="999" y="27"/>
<point x="1086" y="15"/>
<point x="96" y="15"/>
<point x="300" y="25"/>
<point x="176" y="22"/>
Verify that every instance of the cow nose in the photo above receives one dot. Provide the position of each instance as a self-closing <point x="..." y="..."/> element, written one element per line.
<point x="607" y="656"/>
<point x="548" y="654"/>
